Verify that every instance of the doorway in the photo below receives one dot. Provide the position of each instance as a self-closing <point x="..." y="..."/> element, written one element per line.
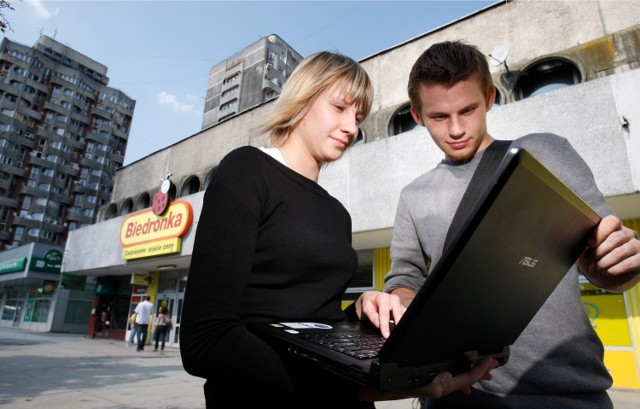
<point x="173" y="302"/>
<point x="171" y="289"/>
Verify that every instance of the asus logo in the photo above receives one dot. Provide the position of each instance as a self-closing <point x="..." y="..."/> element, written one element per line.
<point x="528" y="262"/>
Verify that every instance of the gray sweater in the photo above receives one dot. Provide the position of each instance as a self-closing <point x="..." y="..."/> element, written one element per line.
<point x="557" y="362"/>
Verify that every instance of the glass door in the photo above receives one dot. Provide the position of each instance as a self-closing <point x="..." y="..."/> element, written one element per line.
<point x="176" y="312"/>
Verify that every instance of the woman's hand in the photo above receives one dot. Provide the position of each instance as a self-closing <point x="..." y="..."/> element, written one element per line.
<point x="442" y="385"/>
<point x="380" y="309"/>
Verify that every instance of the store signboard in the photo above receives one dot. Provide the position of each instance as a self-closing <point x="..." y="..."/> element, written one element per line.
<point x="145" y="234"/>
<point x="48" y="287"/>
<point x="12" y="266"/>
<point x="144" y="279"/>
<point x="50" y="263"/>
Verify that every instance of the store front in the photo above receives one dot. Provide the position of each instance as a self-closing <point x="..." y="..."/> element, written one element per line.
<point x="166" y="289"/>
<point x="34" y="295"/>
<point x="614" y="325"/>
<point x="110" y="305"/>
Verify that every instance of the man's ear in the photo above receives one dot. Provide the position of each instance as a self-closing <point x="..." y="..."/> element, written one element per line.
<point x="416" y="116"/>
<point x="491" y="98"/>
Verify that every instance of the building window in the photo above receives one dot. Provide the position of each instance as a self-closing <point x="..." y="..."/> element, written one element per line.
<point x="209" y="177"/>
<point x="126" y="208"/>
<point x="231" y="78"/>
<point x="229" y="105"/>
<point x="545" y="76"/>
<point x="191" y="186"/>
<point x="230" y="92"/>
<point x="26" y="203"/>
<point x="112" y="211"/>
<point x="402" y="121"/>
<point x="498" y="100"/>
<point x="18" y="234"/>
<point x="143" y="201"/>
<point x="269" y="94"/>
<point x="359" y="138"/>
<point x="364" y="278"/>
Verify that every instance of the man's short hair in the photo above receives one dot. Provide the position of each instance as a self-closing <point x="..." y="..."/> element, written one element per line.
<point x="446" y="64"/>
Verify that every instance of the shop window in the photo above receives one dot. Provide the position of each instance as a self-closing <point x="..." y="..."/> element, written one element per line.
<point x="11" y="310"/>
<point x="363" y="279"/>
<point x="545" y="76"/>
<point x="402" y="121"/>
<point x="37" y="310"/>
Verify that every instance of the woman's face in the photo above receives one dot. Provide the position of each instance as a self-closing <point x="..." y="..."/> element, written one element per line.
<point x="330" y="126"/>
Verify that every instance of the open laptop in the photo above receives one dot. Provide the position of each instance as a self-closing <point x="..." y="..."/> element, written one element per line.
<point x="519" y="240"/>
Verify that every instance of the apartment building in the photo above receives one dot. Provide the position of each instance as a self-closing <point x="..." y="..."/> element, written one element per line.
<point x="248" y="78"/>
<point x="63" y="135"/>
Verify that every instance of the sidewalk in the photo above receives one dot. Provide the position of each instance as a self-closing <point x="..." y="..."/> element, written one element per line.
<point x="70" y="371"/>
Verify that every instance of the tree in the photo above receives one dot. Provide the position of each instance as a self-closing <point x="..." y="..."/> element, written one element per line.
<point x="4" y="23"/>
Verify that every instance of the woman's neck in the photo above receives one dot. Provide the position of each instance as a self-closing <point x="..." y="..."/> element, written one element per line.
<point x="300" y="161"/>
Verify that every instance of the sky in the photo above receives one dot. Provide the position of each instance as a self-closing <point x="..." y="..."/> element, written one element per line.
<point x="159" y="52"/>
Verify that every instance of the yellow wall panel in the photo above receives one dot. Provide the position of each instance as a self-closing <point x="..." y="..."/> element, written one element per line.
<point x="609" y="318"/>
<point x="382" y="265"/>
<point x="623" y="368"/>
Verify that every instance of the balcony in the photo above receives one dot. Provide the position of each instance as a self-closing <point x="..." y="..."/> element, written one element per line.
<point x="8" y="202"/>
<point x="55" y="227"/>
<point x="26" y="222"/>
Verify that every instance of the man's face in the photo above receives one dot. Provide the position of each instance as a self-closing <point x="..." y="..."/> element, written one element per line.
<point x="455" y="117"/>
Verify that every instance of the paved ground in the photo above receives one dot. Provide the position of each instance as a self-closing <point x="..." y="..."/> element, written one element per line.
<point x="67" y="371"/>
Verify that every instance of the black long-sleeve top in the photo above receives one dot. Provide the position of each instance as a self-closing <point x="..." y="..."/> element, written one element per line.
<point x="270" y="244"/>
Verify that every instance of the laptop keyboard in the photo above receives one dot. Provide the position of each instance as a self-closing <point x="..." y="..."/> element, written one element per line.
<point x="360" y="346"/>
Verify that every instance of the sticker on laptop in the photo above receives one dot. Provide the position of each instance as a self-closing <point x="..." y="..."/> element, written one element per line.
<point x="306" y="325"/>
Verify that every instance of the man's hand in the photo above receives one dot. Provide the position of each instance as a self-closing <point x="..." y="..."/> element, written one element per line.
<point x="612" y="258"/>
<point x="442" y="385"/>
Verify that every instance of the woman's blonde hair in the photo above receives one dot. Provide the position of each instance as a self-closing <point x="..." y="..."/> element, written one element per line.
<point x="314" y="75"/>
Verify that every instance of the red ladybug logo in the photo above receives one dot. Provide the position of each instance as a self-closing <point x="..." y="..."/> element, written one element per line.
<point x="161" y="197"/>
<point x="160" y="203"/>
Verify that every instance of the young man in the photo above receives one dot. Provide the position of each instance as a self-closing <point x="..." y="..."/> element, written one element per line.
<point x="557" y="362"/>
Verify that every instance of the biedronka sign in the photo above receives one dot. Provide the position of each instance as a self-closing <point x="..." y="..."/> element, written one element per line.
<point x="147" y="234"/>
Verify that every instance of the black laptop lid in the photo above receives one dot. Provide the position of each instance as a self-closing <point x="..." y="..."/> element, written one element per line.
<point x="517" y="243"/>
